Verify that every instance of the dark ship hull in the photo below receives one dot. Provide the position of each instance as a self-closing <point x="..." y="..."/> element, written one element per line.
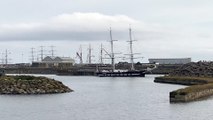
<point x="122" y="74"/>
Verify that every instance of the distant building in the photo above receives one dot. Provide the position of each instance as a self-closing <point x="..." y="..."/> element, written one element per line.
<point x="170" y="60"/>
<point x="54" y="62"/>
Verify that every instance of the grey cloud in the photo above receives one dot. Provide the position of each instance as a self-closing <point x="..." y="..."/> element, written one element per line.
<point x="77" y="26"/>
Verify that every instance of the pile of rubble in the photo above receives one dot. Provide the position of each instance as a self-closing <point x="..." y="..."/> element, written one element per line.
<point x="195" y="69"/>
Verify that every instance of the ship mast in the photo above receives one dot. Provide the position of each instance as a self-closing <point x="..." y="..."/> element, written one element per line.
<point x="112" y="51"/>
<point x="81" y="55"/>
<point x="101" y="56"/>
<point x="90" y="54"/>
<point x="131" y="50"/>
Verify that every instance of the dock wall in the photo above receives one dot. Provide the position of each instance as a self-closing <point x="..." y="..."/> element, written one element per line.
<point x="183" y="97"/>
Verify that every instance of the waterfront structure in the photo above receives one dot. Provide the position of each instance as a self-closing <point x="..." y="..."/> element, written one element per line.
<point x="54" y="62"/>
<point x="170" y="60"/>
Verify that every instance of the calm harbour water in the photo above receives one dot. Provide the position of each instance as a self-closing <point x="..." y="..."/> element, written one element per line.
<point x="105" y="99"/>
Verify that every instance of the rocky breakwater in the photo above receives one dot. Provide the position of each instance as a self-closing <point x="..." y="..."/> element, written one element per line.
<point x="31" y="85"/>
<point x="199" y="76"/>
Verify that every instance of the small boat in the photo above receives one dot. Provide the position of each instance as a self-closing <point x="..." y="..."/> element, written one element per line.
<point x="129" y="73"/>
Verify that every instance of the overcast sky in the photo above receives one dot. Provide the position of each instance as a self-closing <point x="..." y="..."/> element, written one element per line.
<point x="162" y="28"/>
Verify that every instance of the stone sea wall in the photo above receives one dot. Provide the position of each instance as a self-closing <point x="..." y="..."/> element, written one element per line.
<point x="186" y="97"/>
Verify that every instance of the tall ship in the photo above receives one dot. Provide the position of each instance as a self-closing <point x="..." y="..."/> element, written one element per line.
<point x="118" y="73"/>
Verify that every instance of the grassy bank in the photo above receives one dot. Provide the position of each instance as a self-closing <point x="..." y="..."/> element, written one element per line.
<point x="183" y="80"/>
<point x="177" y="78"/>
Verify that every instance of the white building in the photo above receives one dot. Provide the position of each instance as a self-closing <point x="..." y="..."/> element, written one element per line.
<point x="170" y="60"/>
<point x="54" y="62"/>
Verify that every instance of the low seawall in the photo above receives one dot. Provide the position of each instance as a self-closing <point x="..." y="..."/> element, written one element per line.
<point x="191" y="96"/>
<point x="198" y="88"/>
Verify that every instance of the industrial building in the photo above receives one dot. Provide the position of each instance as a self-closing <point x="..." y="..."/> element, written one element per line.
<point x="54" y="62"/>
<point x="170" y="60"/>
